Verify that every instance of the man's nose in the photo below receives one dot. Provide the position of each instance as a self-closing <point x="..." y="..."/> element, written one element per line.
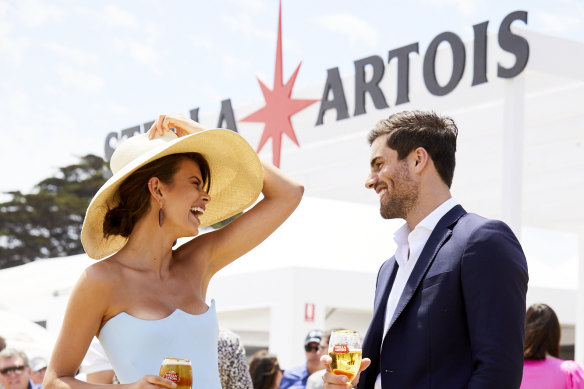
<point x="371" y="181"/>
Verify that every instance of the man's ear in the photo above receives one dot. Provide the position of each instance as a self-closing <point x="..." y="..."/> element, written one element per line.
<point x="421" y="158"/>
<point x="155" y="186"/>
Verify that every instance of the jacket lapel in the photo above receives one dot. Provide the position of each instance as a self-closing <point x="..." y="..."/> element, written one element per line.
<point x="374" y="334"/>
<point x="439" y="236"/>
<point x="384" y="283"/>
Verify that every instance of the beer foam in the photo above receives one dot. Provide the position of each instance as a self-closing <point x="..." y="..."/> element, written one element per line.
<point x="176" y="361"/>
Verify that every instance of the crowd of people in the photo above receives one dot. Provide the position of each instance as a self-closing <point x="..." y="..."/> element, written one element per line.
<point x="17" y="371"/>
<point x="449" y="308"/>
<point x="542" y="367"/>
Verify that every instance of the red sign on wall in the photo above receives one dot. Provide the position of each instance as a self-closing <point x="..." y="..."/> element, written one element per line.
<point x="309" y="312"/>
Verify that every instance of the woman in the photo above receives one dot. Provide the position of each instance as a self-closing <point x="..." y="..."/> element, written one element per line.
<point x="265" y="370"/>
<point x="543" y="369"/>
<point x="146" y="300"/>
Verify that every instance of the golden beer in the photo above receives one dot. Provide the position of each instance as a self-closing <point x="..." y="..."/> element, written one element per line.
<point x="345" y="362"/>
<point x="179" y="371"/>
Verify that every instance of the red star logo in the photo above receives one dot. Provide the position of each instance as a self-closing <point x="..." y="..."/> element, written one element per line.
<point x="279" y="106"/>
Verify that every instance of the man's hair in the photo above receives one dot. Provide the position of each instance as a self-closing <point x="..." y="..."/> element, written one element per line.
<point x="409" y="130"/>
<point x="542" y="333"/>
<point x="12" y="352"/>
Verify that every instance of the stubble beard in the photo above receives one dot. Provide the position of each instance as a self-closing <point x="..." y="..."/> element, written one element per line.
<point x="403" y="198"/>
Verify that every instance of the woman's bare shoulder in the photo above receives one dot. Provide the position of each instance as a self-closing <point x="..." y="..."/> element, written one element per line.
<point x="103" y="275"/>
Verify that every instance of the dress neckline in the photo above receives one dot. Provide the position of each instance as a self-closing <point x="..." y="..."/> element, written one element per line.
<point x="176" y="311"/>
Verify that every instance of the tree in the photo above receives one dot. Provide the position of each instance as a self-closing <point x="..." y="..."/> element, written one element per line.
<point x="48" y="223"/>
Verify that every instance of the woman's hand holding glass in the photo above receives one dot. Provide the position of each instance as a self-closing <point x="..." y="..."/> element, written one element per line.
<point x="151" y="382"/>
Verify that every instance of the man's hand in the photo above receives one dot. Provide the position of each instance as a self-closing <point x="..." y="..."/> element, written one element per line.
<point x="332" y="381"/>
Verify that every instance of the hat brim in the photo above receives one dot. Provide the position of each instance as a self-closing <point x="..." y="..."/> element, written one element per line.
<point x="311" y="340"/>
<point x="236" y="182"/>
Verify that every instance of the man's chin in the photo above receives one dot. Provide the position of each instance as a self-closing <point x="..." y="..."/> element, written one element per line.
<point x="387" y="214"/>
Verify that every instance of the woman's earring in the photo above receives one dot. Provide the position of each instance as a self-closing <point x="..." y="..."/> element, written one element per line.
<point x="160" y="217"/>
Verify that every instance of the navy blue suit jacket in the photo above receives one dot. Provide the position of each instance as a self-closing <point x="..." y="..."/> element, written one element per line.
<point x="460" y="322"/>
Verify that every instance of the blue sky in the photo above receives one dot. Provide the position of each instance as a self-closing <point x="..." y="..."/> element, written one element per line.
<point x="73" y="71"/>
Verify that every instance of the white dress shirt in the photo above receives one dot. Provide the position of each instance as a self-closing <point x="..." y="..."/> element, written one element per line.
<point x="409" y="247"/>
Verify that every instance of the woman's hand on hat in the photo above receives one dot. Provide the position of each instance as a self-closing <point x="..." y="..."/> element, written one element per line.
<point x="182" y="124"/>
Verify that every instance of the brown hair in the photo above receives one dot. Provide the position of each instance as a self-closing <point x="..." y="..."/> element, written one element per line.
<point x="412" y="129"/>
<point x="263" y="368"/>
<point x="542" y="333"/>
<point x="132" y="199"/>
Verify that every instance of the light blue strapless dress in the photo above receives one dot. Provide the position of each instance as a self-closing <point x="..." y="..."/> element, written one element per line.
<point x="136" y="347"/>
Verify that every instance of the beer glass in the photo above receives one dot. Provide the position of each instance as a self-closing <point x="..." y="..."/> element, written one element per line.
<point x="345" y="351"/>
<point x="179" y="371"/>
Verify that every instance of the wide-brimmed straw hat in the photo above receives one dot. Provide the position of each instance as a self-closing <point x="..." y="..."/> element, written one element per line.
<point x="236" y="179"/>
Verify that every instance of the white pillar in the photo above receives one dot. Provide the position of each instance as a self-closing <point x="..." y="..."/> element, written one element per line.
<point x="513" y="126"/>
<point x="282" y="324"/>
<point x="288" y="324"/>
<point x="579" y="328"/>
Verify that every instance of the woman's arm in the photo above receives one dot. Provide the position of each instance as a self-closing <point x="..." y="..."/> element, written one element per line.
<point x="86" y="308"/>
<point x="281" y="196"/>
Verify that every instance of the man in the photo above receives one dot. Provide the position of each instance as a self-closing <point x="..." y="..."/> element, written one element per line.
<point x="296" y="377"/>
<point x="315" y="379"/>
<point x="38" y="367"/>
<point x="14" y="370"/>
<point x="449" y="309"/>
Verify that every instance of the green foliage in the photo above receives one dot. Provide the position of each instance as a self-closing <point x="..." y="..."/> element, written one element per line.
<point x="48" y="223"/>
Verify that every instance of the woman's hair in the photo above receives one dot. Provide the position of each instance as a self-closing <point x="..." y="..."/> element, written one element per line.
<point x="132" y="198"/>
<point x="263" y="368"/>
<point x="542" y="333"/>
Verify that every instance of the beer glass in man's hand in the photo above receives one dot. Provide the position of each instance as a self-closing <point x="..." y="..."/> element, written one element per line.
<point x="345" y="351"/>
<point x="179" y="371"/>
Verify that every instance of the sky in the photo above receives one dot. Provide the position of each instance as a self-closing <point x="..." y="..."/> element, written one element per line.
<point x="74" y="71"/>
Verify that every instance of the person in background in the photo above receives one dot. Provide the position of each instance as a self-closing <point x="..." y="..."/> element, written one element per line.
<point x="233" y="369"/>
<point x="265" y="370"/>
<point x="543" y="368"/>
<point x="315" y="379"/>
<point x="296" y="377"/>
<point x="15" y="370"/>
<point x="2" y="343"/>
<point x="38" y="367"/>
<point x="96" y="365"/>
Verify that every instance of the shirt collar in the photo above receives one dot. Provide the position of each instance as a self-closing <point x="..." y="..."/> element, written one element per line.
<point x="401" y="235"/>
<point x="430" y="221"/>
